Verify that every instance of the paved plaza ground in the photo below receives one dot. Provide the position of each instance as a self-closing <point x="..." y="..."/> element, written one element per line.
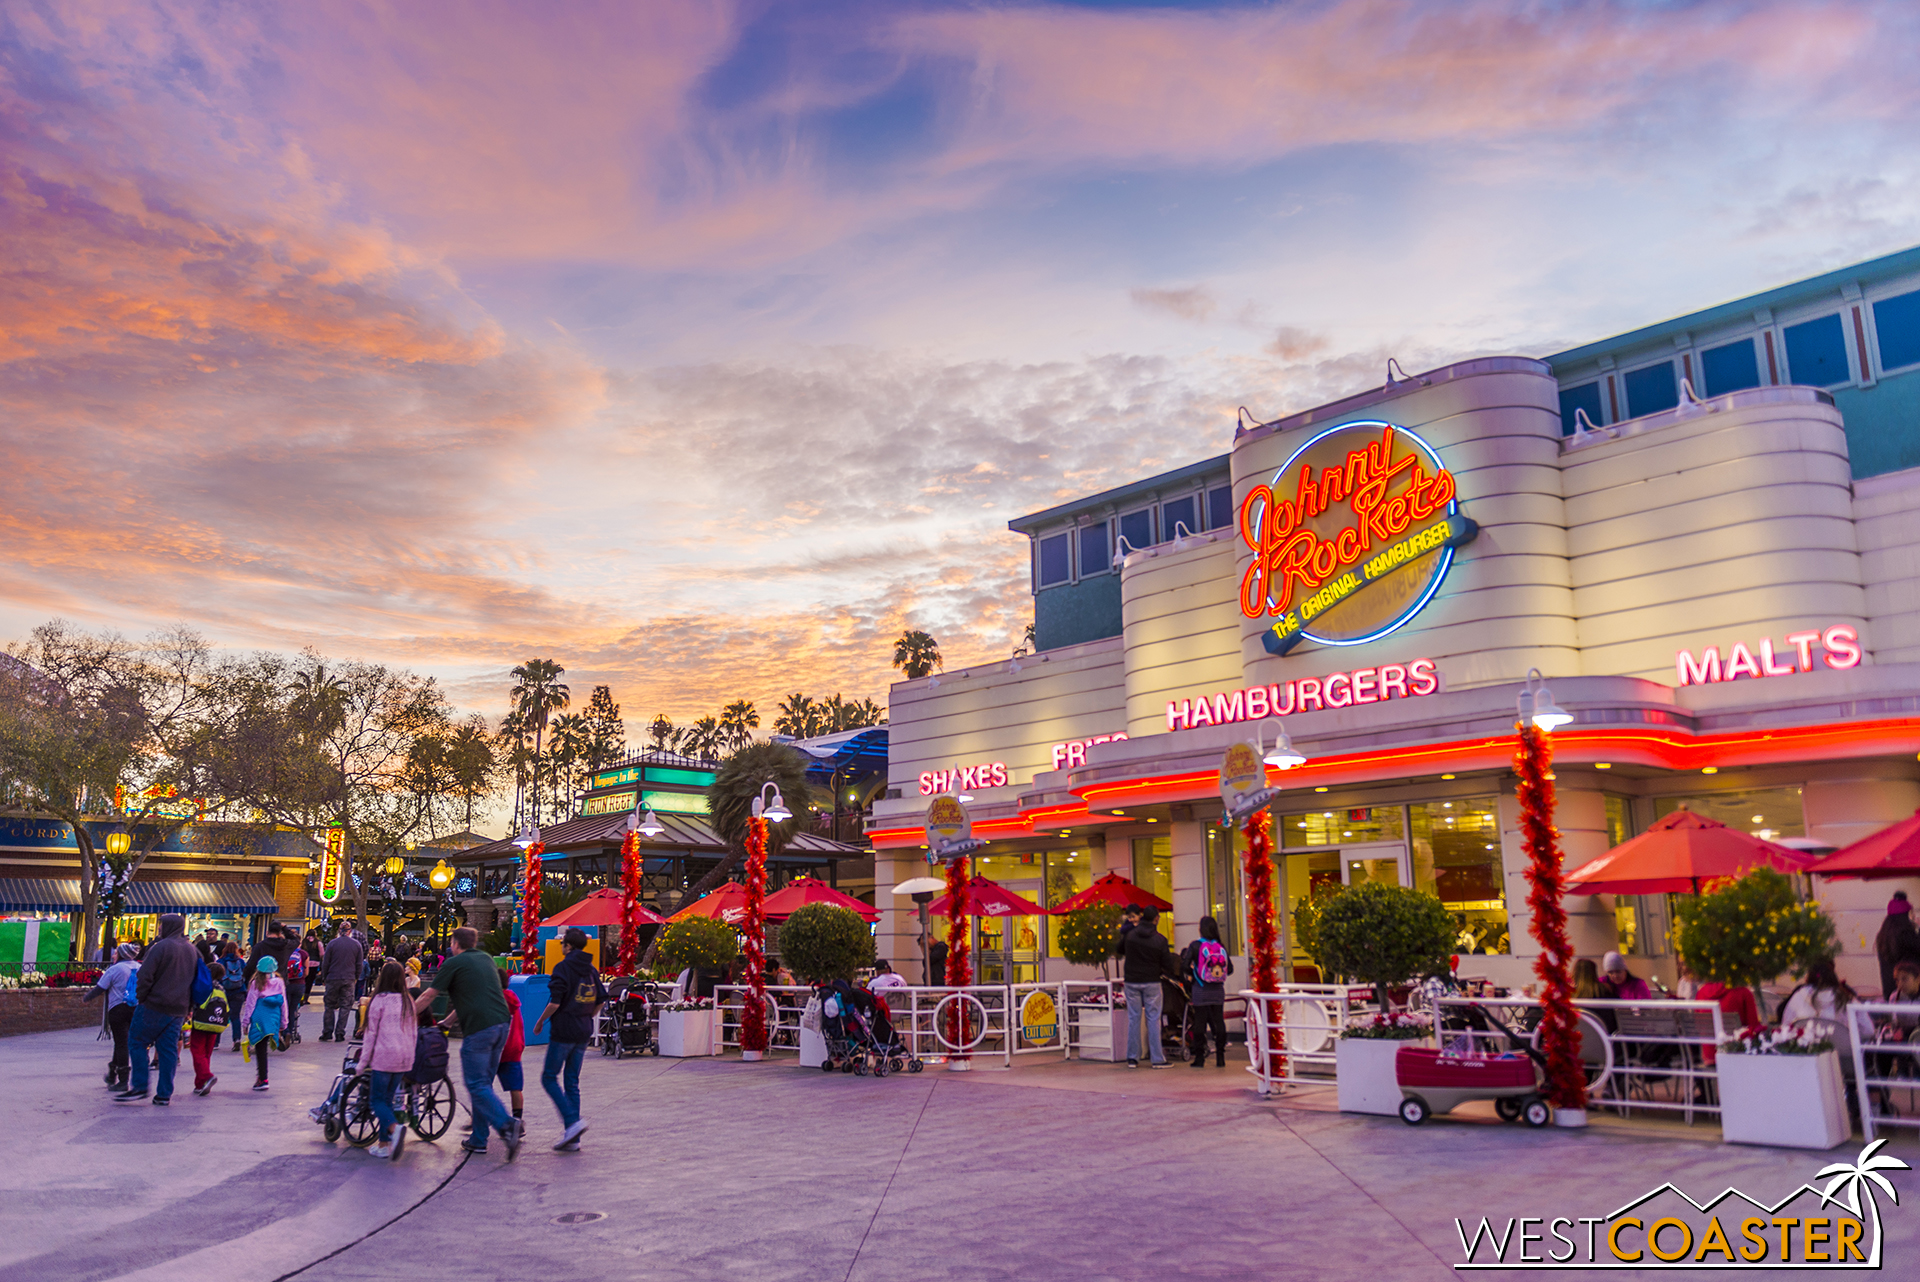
<point x="704" y="1169"/>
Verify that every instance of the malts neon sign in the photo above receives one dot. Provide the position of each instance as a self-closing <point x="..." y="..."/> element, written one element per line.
<point x="1385" y="511"/>
<point x="1306" y="694"/>
<point x="1839" y="646"/>
<point x="992" y="774"/>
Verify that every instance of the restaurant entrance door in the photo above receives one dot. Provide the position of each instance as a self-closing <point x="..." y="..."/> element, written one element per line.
<point x="1011" y="950"/>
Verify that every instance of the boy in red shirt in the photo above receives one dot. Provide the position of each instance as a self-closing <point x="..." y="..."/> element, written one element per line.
<point x="512" y="1078"/>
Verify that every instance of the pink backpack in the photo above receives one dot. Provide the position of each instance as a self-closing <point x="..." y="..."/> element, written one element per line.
<point x="1210" y="963"/>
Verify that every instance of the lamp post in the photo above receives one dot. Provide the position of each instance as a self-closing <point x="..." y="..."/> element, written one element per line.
<point x="1536" y="717"/>
<point x="112" y="881"/>
<point x="441" y="879"/>
<point x="394" y="868"/>
<point x="768" y="808"/>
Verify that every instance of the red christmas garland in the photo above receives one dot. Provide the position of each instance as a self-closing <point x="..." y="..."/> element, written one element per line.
<point x="530" y="911"/>
<point x="959" y="952"/>
<point x="629" y="906"/>
<point x="1559" y="1024"/>
<point x="753" y="1019"/>
<point x="1262" y="937"/>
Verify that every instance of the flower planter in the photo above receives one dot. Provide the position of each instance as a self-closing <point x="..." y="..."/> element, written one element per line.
<point x="1103" y="1032"/>
<point x="1789" y="1101"/>
<point x="686" y="1033"/>
<point x="1363" y="1069"/>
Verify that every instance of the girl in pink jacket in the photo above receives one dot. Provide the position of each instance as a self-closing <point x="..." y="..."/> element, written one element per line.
<point x="386" y="1052"/>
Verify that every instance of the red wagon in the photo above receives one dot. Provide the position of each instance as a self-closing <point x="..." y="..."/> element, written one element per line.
<point x="1437" y="1082"/>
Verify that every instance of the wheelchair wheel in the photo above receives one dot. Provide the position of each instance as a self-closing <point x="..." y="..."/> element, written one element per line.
<point x="359" y="1125"/>
<point x="433" y="1109"/>
<point x="331" y="1127"/>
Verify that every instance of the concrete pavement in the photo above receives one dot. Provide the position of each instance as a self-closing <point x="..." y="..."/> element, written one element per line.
<point x="714" y="1168"/>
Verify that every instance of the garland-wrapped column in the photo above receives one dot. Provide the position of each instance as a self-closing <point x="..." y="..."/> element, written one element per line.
<point x="1559" y="1023"/>
<point x="959" y="950"/>
<point x="530" y="911"/>
<point x="1262" y="937"/>
<point x="753" y="1019"/>
<point x="629" y="905"/>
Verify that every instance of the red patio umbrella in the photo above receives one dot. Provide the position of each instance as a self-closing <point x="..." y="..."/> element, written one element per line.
<point x="1894" y="851"/>
<point x="989" y="899"/>
<point x="802" y="891"/>
<point x="726" y="903"/>
<point x="1114" y="889"/>
<point x="1677" y="854"/>
<point x="601" y="908"/>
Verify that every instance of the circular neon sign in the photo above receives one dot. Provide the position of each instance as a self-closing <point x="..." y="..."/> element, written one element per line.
<point x="1352" y="537"/>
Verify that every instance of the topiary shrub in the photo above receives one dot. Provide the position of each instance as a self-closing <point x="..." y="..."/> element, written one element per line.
<point x="1086" y="935"/>
<point x="1382" y="935"/>
<point x="697" y="941"/>
<point x="823" y="942"/>
<point x="1751" y="930"/>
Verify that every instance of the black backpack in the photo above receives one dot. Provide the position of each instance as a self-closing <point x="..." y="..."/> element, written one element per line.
<point x="429" y="1056"/>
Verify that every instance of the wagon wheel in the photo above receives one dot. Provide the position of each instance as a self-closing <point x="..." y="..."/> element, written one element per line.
<point x="1508" y="1108"/>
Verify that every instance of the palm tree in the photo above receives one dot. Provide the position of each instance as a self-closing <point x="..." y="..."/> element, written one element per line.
<point x="537" y="694"/>
<point x="730" y="801"/>
<point x="738" y="721"/>
<point x="570" y="749"/>
<point x="702" y="738"/>
<point x="319" y="699"/>
<point x="917" y="654"/>
<point x="471" y="760"/>
<point x="799" y="717"/>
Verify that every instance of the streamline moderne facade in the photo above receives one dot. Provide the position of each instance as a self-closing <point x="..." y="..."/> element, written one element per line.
<point x="1705" y="534"/>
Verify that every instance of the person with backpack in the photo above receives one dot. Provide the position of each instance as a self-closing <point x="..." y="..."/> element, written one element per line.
<point x="236" y="986"/>
<point x="339" y="975"/>
<point x="264" y="1015"/>
<point x="203" y="1033"/>
<point x="472" y="984"/>
<point x="116" y="983"/>
<point x="164" y="989"/>
<point x="574" y="993"/>
<point x="1206" y="963"/>
<point x="387" y="1050"/>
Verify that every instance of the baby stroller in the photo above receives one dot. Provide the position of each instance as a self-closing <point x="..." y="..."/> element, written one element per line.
<point x="860" y="1035"/>
<point x="626" y="1025"/>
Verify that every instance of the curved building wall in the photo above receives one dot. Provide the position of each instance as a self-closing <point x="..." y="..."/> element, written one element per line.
<point x="1182" y="627"/>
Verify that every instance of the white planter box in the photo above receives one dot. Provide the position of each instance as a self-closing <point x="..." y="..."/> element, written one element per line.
<point x="1790" y="1101"/>
<point x="1363" y="1067"/>
<point x="1103" y="1032"/>
<point x="813" y="1048"/>
<point x="686" y="1033"/>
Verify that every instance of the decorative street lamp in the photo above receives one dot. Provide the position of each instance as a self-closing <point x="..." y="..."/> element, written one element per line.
<point x="394" y="868"/>
<point x="441" y="879"/>
<point x="113" y="882"/>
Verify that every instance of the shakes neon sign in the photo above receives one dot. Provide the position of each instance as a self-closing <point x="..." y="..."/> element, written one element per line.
<point x="1362" y="544"/>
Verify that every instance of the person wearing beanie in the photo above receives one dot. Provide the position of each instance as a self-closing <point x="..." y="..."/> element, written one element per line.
<point x="265" y="1014"/>
<point x="1897" y="941"/>
<point x="1621" y="983"/>
<point x="164" y="990"/>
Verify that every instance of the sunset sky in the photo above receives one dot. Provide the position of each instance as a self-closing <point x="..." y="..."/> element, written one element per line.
<point x="703" y="347"/>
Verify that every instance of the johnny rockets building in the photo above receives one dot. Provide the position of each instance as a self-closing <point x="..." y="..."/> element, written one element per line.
<point x="1705" y="534"/>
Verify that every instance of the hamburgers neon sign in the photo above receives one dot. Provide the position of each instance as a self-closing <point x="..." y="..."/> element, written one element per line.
<point x="1362" y="544"/>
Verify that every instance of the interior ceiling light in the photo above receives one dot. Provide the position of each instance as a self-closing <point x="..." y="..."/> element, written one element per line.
<point x="1710" y="770"/>
<point x="1603" y="765"/>
<point x="1321" y="788"/>
<point x="1449" y="776"/>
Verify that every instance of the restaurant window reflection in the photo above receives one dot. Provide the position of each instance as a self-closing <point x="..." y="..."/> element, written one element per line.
<point x="1223" y="886"/>
<point x="1456" y="857"/>
<point x="1153" y="873"/>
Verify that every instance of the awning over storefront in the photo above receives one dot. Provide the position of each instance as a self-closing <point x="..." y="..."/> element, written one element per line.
<point x="62" y="895"/>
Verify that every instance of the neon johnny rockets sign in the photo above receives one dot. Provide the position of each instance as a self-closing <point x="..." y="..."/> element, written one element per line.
<point x="1307" y="694"/>
<point x="1839" y="649"/>
<point x="1362" y="544"/>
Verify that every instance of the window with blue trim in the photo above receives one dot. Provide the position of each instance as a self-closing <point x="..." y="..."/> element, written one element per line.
<point x="1898" y="321"/>
<point x="1651" y="390"/>
<point x="1056" y="560"/>
<point x="1179" y="512"/>
<point x="1220" y="507"/>
<point x="1729" y="368"/>
<point x="1584" y="397"/>
<point x="1095" y="555"/>
<point x="1137" y="528"/>
<point x="1817" y="352"/>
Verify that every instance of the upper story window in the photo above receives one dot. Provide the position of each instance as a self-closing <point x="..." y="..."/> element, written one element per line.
<point x="1650" y="389"/>
<point x="1056" y="559"/>
<point x="1729" y="368"/>
<point x="1897" y="320"/>
<point x="1175" y="513"/>
<point x="1817" y="352"/>
<point x="1137" y="528"/>
<point x="1096" y="556"/>
<point x="1219" y="507"/>
<point x="1584" y="397"/>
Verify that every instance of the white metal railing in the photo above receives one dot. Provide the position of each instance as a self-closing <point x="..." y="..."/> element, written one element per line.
<point x="1087" y="1006"/>
<point x="783" y="1016"/>
<point x="1651" y="1046"/>
<point x="1888" y="1063"/>
<point x="921" y="1014"/>
<point x="1291" y="1034"/>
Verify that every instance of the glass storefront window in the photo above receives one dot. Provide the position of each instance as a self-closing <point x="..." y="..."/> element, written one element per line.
<point x="1767" y="813"/>
<point x="1007" y="949"/>
<point x="1341" y="827"/>
<point x="1153" y="873"/>
<point x="1068" y="873"/>
<point x="1223" y="886"/>
<point x="1628" y="912"/>
<point x="1456" y="856"/>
